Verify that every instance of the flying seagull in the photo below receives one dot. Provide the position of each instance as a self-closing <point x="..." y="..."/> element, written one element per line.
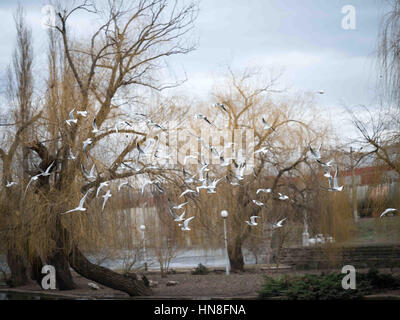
<point x="47" y="172"/>
<point x="335" y="187"/>
<point x="176" y="217"/>
<point x="82" y="113"/>
<point x="263" y="150"/>
<point x="85" y="145"/>
<point x="188" y="178"/>
<point x="252" y="221"/>
<point x="86" y="173"/>
<point x="263" y="190"/>
<point x="71" y="118"/>
<point x="185" y="226"/>
<point x="200" y="116"/>
<point x="387" y="211"/>
<point x="233" y="183"/>
<point x="126" y="183"/>
<point x="34" y="178"/>
<point x="106" y="196"/>
<point x="180" y="206"/>
<point x="187" y="191"/>
<point x="266" y="125"/>
<point x="71" y="155"/>
<point x="188" y="157"/>
<point x="325" y="164"/>
<point x="258" y="203"/>
<point x="278" y="224"/>
<point x="139" y="148"/>
<point x="282" y="196"/>
<point x="316" y="153"/>
<point x="103" y="184"/>
<point x="221" y="106"/>
<point x="80" y="207"/>
<point x="94" y="125"/>
<point x="10" y="184"/>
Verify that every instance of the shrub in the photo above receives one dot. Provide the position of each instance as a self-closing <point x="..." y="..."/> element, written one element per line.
<point x="327" y="286"/>
<point x="200" y="269"/>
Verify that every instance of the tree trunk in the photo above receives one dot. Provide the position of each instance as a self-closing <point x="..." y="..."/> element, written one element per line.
<point x="59" y="259"/>
<point x="36" y="269"/>
<point x="235" y="255"/>
<point x="18" y="265"/>
<point x="129" y="284"/>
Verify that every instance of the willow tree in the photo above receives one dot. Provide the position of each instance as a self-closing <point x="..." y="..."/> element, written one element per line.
<point x="235" y="130"/>
<point x="97" y="76"/>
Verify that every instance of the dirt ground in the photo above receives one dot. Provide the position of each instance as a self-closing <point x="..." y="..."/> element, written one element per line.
<point x="215" y="285"/>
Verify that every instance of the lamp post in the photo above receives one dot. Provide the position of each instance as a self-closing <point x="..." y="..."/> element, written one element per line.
<point x="306" y="235"/>
<point x="143" y="228"/>
<point x="224" y="214"/>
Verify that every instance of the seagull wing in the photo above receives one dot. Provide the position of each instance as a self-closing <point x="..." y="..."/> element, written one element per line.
<point x="174" y="215"/>
<point x="83" y="199"/>
<point x="94" y="124"/>
<point x="186" y="222"/>
<point x="253" y="219"/>
<point x="84" y="170"/>
<point x="335" y="182"/>
<point x="71" y="114"/>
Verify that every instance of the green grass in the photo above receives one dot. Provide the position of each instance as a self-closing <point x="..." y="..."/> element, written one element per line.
<point x="376" y="230"/>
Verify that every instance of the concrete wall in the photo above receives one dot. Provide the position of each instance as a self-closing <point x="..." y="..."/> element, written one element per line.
<point x="324" y="256"/>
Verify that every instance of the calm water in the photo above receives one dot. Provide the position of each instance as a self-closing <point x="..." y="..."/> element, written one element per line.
<point x="24" y="296"/>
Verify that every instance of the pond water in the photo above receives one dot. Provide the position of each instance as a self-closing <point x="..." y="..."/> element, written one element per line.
<point x="25" y="296"/>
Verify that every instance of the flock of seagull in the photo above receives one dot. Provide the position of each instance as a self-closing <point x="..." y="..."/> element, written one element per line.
<point x="203" y="182"/>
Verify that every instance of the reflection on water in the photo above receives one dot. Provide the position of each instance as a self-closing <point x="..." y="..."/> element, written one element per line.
<point x="25" y="296"/>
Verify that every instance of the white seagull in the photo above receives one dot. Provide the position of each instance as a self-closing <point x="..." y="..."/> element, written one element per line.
<point x="316" y="153"/>
<point x="252" y="221"/>
<point x="335" y="187"/>
<point x="200" y="116"/>
<point x="263" y="190"/>
<point x="282" y="196"/>
<point x="180" y="206"/>
<point x="71" y="155"/>
<point x="221" y="106"/>
<point x="258" y="203"/>
<point x="106" y="196"/>
<point x="80" y="207"/>
<point x="263" y="150"/>
<point x="187" y="191"/>
<point x="266" y="125"/>
<point x="94" y="125"/>
<point x="188" y="157"/>
<point x="278" y="224"/>
<point x="47" y="172"/>
<point x="176" y="217"/>
<point x="71" y="118"/>
<point x="34" y="178"/>
<point x="103" y="184"/>
<point x="87" y="142"/>
<point x="126" y="183"/>
<point x="185" y="226"/>
<point x="9" y="184"/>
<point x="387" y="211"/>
<point x="82" y="113"/>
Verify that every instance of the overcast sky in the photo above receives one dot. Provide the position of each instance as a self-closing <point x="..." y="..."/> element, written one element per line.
<point x="305" y="38"/>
